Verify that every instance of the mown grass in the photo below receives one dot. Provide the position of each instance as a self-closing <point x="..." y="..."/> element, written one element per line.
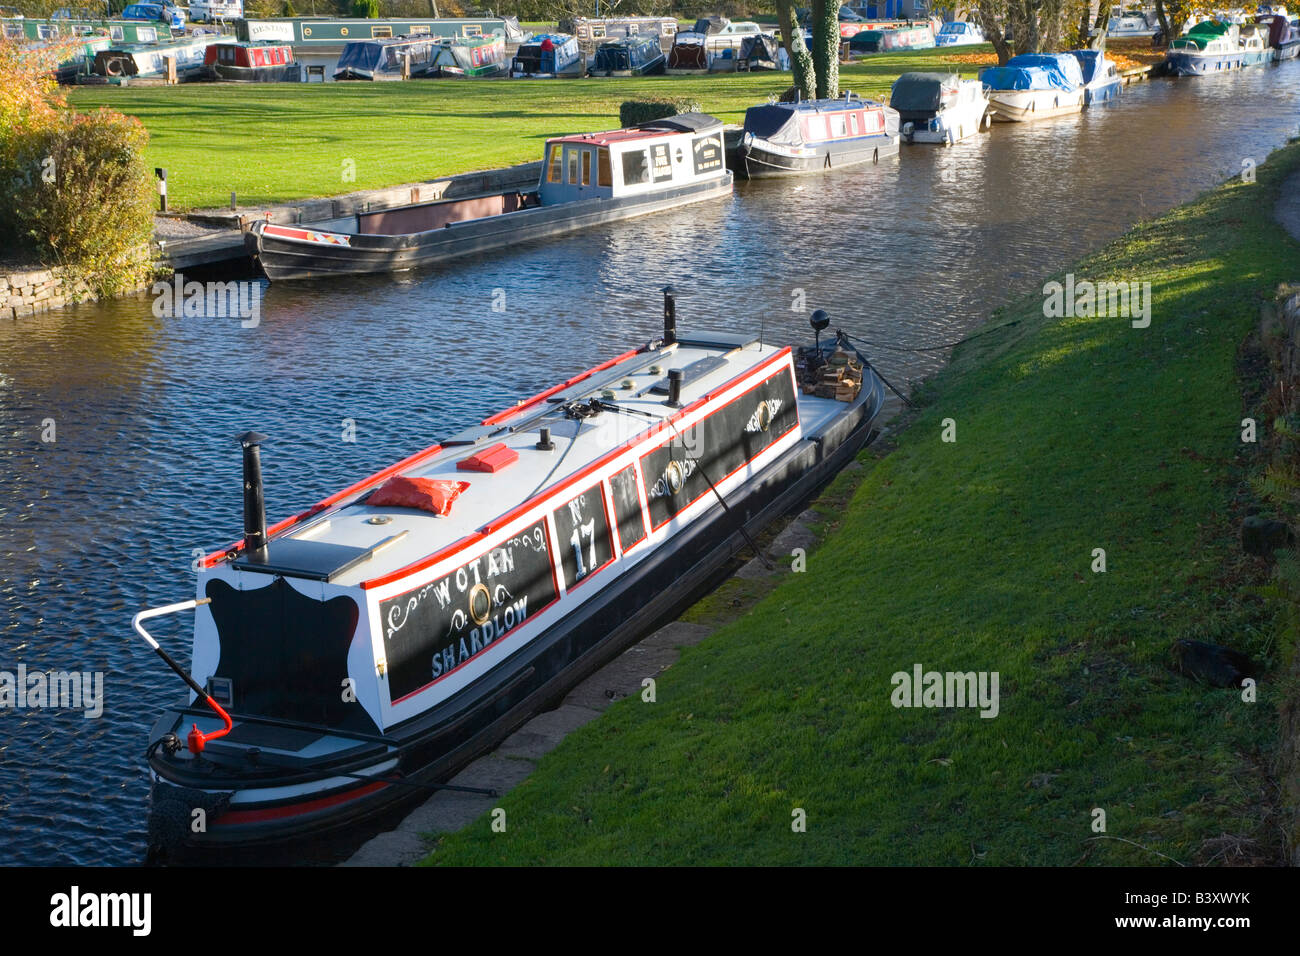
<point x="274" y="143"/>
<point x="1072" y="435"/>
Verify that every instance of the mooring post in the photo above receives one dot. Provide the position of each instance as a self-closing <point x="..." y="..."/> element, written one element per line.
<point x="161" y="173"/>
<point x="232" y="200"/>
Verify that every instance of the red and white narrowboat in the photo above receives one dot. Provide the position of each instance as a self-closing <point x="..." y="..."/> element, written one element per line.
<point x="251" y="63"/>
<point x="387" y="635"/>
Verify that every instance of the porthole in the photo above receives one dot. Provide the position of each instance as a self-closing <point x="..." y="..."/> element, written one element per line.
<point x="480" y="604"/>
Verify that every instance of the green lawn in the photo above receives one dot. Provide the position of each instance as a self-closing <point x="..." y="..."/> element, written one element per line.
<point x="279" y="142"/>
<point x="1072" y="434"/>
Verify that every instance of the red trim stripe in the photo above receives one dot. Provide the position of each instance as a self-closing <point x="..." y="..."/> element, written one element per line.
<point x="542" y="396"/>
<point x="235" y="817"/>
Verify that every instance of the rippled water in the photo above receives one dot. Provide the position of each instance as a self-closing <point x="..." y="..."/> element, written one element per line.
<point x="102" y="521"/>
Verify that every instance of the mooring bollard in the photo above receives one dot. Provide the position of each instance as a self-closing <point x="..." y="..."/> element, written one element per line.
<point x="161" y="173"/>
<point x="232" y="201"/>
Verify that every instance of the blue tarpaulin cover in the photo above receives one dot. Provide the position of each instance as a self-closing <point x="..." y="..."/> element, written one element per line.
<point x="1035" y="71"/>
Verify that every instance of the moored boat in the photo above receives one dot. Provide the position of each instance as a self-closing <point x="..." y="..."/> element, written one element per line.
<point x="1282" y="38"/>
<point x="387" y="58"/>
<point x="586" y="180"/>
<point x="548" y="56"/>
<point x="959" y="33"/>
<point x="916" y="37"/>
<point x="469" y="56"/>
<point x="244" y="62"/>
<point x="1034" y="86"/>
<point x="816" y="135"/>
<point x="379" y="640"/>
<point x="689" y="54"/>
<point x="1101" y="79"/>
<point x="938" y="107"/>
<point x="627" y="56"/>
<point x="1209" y="47"/>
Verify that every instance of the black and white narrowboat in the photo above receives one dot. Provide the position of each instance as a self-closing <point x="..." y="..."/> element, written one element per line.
<point x="548" y="56"/>
<point x="586" y="180"/>
<point x="627" y="56"/>
<point x="251" y="63"/>
<point x="816" y="135"/>
<point x="387" y="635"/>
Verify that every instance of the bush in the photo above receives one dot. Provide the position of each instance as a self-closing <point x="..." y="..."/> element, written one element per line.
<point x="636" y="112"/>
<point x="289" y="10"/>
<point x="368" y="9"/>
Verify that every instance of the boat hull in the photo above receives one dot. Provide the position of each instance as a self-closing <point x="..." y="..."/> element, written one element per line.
<point x="1020" y="106"/>
<point x="284" y="73"/>
<point x="760" y="159"/>
<point x="283" y="258"/>
<point x="1102" y="93"/>
<point x="433" y="746"/>
<point x="1179" y="63"/>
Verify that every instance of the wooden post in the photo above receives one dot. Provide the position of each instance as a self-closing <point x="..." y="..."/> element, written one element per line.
<point x="171" y="70"/>
<point x="406" y="66"/>
<point x="161" y="173"/>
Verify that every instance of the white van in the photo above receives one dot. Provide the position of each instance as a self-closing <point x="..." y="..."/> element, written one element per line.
<point x="210" y="11"/>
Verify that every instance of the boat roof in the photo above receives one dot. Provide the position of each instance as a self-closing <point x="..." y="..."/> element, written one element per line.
<point x="414" y="539"/>
<point x="682" y="123"/>
<point x="850" y="101"/>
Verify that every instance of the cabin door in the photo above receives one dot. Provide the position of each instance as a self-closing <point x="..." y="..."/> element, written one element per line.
<point x="580" y="171"/>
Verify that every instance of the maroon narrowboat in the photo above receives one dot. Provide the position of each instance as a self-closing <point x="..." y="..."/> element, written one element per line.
<point x="251" y="63"/>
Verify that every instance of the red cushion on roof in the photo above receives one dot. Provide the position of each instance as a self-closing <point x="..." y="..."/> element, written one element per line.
<point x="427" y="494"/>
<point x="493" y="458"/>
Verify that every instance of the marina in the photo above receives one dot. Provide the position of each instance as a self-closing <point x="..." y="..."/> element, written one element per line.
<point x="473" y="555"/>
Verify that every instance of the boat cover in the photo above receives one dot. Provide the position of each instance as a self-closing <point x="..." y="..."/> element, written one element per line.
<point x="548" y="53"/>
<point x="470" y="53"/>
<point x="688" y="52"/>
<point x="630" y="53"/>
<point x="383" y="56"/>
<point x="1035" y="71"/>
<point x="710" y="25"/>
<point x="759" y="47"/>
<point x="1089" y="62"/>
<point x="777" y="122"/>
<point x="923" y="92"/>
<point x="684" y="123"/>
<point x="1203" y="33"/>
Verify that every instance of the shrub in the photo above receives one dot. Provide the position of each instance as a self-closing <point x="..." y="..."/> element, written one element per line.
<point x="636" y="112"/>
<point x="289" y="10"/>
<point x="84" y="198"/>
<point x="368" y="9"/>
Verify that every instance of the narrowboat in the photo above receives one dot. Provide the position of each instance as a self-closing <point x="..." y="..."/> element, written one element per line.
<point x="1101" y="79"/>
<point x="586" y="180"/>
<point x="959" y="33"/>
<point x="917" y="37"/>
<point x="816" y="135"/>
<point x="1282" y="38"/>
<point x="469" y="56"/>
<point x="150" y="60"/>
<point x="251" y="63"/>
<point x="387" y="58"/>
<point x="387" y="635"/>
<point x="1034" y="86"/>
<point x="594" y="30"/>
<point x="119" y="31"/>
<point x="1209" y="47"/>
<point x="689" y="54"/>
<point x="628" y="56"/>
<point x="548" y="56"/>
<point x="761" y="51"/>
<point x="938" y="107"/>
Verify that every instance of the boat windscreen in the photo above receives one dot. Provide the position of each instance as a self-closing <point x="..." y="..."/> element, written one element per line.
<point x="773" y="123"/>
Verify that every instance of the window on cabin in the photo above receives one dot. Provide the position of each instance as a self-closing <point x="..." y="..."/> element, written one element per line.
<point x="604" y="174"/>
<point x="115" y="33"/>
<point x="473" y="30"/>
<point x="419" y="29"/>
<point x="555" y="174"/>
<point x="571" y="158"/>
<point x="598" y="31"/>
<point x="837" y="125"/>
<point x="142" y="35"/>
<point x="853" y="124"/>
<point x="381" y="32"/>
<point x="586" y="167"/>
<point x="636" y="168"/>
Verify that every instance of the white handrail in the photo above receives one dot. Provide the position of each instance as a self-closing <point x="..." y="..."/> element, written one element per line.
<point x="162" y="612"/>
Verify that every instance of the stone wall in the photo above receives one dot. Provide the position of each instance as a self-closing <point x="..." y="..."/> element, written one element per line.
<point x="25" y="291"/>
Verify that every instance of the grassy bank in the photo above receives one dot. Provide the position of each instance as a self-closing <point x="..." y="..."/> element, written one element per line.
<point x="279" y="142"/>
<point x="976" y="555"/>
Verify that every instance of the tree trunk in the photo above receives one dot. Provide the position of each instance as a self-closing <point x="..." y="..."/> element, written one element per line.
<point x="826" y="47"/>
<point x="1164" y="21"/>
<point x="801" y="62"/>
<point x="1102" y="24"/>
<point x="994" y="31"/>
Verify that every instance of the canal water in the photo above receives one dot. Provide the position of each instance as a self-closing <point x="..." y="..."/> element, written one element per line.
<point x="143" y="467"/>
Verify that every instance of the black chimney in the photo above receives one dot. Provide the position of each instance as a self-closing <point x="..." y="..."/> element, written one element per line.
<point x="674" y="387"/>
<point x="254" y="501"/>
<point x="670" y="315"/>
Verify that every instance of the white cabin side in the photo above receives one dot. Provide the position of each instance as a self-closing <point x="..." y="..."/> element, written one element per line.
<point x="628" y="163"/>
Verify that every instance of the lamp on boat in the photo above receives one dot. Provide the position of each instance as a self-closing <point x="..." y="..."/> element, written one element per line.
<point x="254" y="501"/>
<point x="819" y="320"/>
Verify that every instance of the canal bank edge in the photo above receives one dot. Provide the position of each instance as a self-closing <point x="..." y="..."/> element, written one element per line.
<point x="26" y="291"/>
<point x="947" y="556"/>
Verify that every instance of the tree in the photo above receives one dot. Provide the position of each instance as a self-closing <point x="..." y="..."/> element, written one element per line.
<point x="826" y="47"/>
<point x="801" y="62"/>
<point x="1036" y="26"/>
<point x="1173" y="16"/>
